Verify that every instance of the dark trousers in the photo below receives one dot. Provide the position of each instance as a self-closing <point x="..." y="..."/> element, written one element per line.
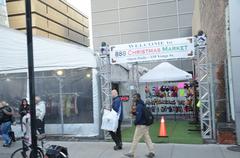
<point x="40" y="125"/>
<point x="117" y="136"/>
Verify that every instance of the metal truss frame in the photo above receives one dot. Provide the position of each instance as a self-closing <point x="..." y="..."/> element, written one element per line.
<point x="202" y="76"/>
<point x="105" y="77"/>
<point x="204" y="87"/>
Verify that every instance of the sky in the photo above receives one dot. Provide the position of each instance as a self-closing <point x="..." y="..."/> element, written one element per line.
<point x="83" y="6"/>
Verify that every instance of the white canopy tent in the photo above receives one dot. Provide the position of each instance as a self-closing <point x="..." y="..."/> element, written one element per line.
<point x="50" y="55"/>
<point x="165" y="72"/>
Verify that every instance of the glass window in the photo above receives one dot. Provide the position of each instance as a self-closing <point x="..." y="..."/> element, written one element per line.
<point x="73" y="90"/>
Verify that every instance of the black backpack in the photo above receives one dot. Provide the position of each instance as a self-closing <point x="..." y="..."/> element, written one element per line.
<point x="147" y="114"/>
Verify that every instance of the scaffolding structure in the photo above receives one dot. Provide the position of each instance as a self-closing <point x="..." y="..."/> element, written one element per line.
<point x="105" y="77"/>
<point x="203" y="76"/>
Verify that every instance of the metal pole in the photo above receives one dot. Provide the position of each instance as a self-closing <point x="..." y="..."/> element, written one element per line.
<point x="61" y="104"/>
<point x="178" y="18"/>
<point x="212" y="100"/>
<point x="137" y="77"/>
<point x="31" y="76"/>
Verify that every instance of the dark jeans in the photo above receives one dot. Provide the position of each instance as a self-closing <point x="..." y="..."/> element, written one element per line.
<point x="117" y="136"/>
<point x="5" y="128"/>
<point x="40" y="125"/>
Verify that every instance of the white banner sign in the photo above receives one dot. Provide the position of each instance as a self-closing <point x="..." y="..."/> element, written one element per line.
<point x="152" y="50"/>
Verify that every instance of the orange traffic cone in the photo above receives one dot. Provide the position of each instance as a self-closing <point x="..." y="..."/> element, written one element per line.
<point x="162" y="130"/>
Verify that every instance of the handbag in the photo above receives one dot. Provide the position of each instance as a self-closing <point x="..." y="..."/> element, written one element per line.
<point x="110" y="120"/>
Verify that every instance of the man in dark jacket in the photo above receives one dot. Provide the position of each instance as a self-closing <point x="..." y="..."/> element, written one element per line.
<point x="117" y="106"/>
<point x="141" y="129"/>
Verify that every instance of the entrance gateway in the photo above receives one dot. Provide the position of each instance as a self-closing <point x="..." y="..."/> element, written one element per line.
<point x="173" y="49"/>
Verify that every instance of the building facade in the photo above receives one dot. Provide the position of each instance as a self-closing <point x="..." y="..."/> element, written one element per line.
<point x="127" y="21"/>
<point x="234" y="62"/>
<point x="123" y="21"/>
<point x="54" y="19"/>
<point x="3" y="13"/>
<point x="223" y="77"/>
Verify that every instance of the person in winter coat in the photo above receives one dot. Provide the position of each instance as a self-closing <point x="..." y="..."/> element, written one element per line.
<point x="117" y="106"/>
<point x="24" y="109"/>
<point x="40" y="115"/>
<point x="141" y="129"/>
<point x="6" y="114"/>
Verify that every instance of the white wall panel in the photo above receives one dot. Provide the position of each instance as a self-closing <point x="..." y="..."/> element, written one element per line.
<point x="184" y="20"/>
<point x="133" y="13"/>
<point x="162" y="9"/>
<point x="138" y="37"/>
<point x="131" y="3"/>
<point x="104" y="30"/>
<point x="99" y="5"/>
<point x="108" y="39"/>
<point x="185" y="32"/>
<point x="161" y="35"/>
<point x="163" y="23"/>
<point x="159" y="1"/>
<point x="134" y="26"/>
<point x="105" y="17"/>
<point x="185" y="6"/>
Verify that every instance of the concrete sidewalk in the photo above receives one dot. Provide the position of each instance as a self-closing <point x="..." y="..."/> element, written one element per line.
<point x="105" y="150"/>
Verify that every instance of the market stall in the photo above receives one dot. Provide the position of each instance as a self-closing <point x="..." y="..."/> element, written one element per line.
<point x="168" y="90"/>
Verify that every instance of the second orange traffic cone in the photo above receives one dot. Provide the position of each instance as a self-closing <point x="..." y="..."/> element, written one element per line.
<point x="162" y="129"/>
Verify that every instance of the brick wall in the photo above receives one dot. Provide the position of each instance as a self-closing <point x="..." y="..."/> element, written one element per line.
<point x="213" y="24"/>
<point x="212" y="15"/>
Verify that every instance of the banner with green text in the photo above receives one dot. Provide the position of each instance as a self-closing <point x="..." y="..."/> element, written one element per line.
<point x="180" y="48"/>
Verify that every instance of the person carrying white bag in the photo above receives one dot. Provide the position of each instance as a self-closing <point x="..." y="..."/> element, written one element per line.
<point x="112" y="120"/>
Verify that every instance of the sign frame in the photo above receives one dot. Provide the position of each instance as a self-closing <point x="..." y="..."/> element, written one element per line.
<point x="179" y="48"/>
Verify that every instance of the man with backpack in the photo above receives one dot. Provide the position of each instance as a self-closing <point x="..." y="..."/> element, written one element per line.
<point x="142" y="128"/>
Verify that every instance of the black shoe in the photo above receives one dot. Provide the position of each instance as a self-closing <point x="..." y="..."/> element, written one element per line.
<point x="117" y="147"/>
<point x="150" y="155"/>
<point x="7" y="145"/>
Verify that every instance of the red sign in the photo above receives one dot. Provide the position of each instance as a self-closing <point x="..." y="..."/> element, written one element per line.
<point x="124" y="98"/>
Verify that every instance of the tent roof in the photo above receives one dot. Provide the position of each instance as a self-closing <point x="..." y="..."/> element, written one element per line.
<point x="48" y="54"/>
<point x="165" y="72"/>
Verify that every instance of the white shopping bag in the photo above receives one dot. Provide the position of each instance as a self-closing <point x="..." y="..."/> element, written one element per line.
<point x="110" y="120"/>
